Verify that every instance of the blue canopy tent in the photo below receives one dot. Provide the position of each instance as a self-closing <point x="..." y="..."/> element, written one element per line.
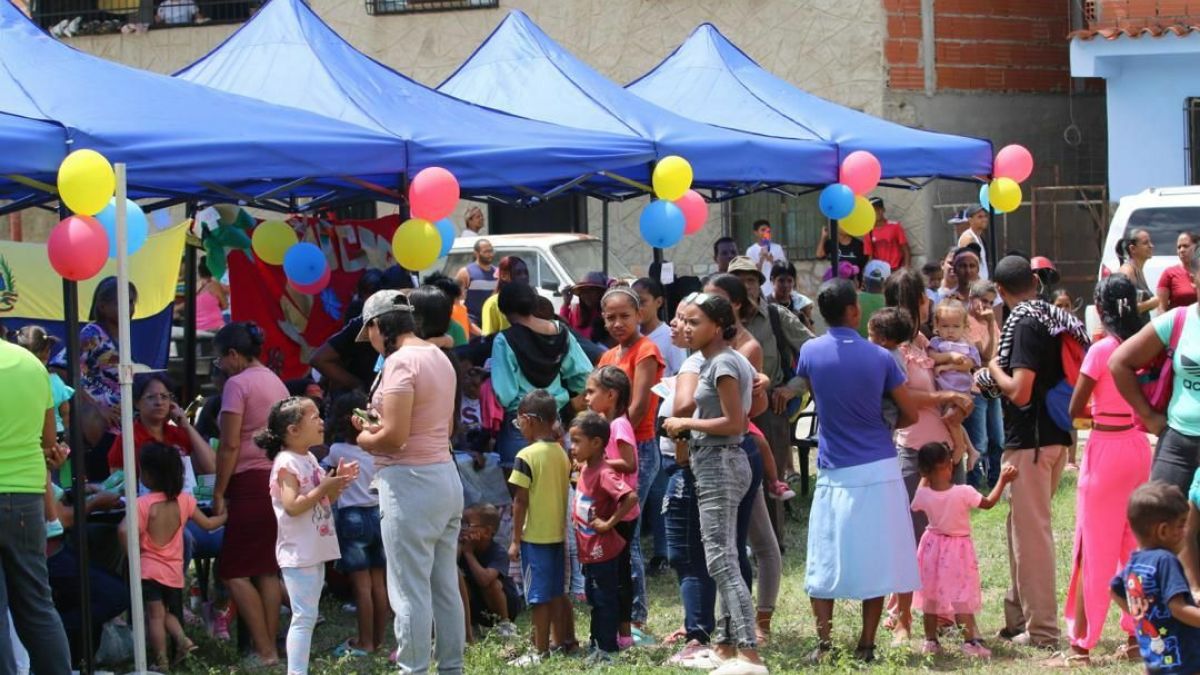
<point x="521" y="70"/>
<point x="32" y="151"/>
<point x="709" y="79"/>
<point x="287" y="55"/>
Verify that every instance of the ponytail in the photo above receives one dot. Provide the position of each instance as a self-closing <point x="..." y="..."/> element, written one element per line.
<point x="284" y="414"/>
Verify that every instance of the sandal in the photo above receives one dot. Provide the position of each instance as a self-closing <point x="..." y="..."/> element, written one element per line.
<point x="679" y="634"/>
<point x="1128" y="652"/>
<point x="184" y="653"/>
<point x="347" y="648"/>
<point x="1066" y="660"/>
<point x="822" y="654"/>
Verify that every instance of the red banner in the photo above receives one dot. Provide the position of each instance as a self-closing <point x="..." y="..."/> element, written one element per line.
<point x="295" y="324"/>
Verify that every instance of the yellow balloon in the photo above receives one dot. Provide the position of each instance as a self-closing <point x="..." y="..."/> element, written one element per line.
<point x="672" y="178"/>
<point x="861" y="219"/>
<point x="86" y="182"/>
<point x="416" y="244"/>
<point x="271" y="241"/>
<point x="1004" y="195"/>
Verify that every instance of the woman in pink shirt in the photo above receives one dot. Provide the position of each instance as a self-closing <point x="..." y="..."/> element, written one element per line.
<point x="247" y="562"/>
<point x="420" y="496"/>
<point x="1115" y="461"/>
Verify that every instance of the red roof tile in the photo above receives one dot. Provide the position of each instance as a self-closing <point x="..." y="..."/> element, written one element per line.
<point x="1132" y="31"/>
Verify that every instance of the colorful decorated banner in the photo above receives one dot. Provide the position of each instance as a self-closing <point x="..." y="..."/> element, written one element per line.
<point x="31" y="292"/>
<point x="296" y="324"/>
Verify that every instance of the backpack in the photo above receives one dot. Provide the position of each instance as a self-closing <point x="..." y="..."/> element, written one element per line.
<point x="1058" y="397"/>
<point x="787" y="358"/>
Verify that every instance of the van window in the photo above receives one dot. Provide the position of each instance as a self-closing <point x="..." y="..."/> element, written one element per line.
<point x="1165" y="224"/>
<point x="457" y="261"/>
<point x="587" y="255"/>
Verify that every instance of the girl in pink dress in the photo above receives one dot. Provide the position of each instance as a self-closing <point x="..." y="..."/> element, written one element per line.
<point x="946" y="554"/>
<point x="1116" y="461"/>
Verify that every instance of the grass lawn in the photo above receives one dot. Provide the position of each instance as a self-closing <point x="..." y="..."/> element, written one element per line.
<point x="794" y="636"/>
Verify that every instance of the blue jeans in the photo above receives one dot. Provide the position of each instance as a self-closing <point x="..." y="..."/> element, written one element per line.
<point x="985" y="428"/>
<point x="509" y="440"/>
<point x="109" y="595"/>
<point x="685" y="553"/>
<point x="603" y="582"/>
<point x="25" y="588"/>
<point x="746" y="508"/>
<point x="652" y="516"/>
<point x="649" y="463"/>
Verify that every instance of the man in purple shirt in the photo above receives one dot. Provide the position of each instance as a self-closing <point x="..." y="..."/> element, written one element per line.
<point x="860" y="542"/>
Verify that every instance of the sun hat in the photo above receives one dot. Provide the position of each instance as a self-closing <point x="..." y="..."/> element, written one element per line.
<point x="380" y="303"/>
<point x="592" y="280"/>
<point x="744" y="264"/>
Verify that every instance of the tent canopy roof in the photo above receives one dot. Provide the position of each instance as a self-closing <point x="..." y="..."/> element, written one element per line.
<point x="287" y="55"/>
<point x="708" y="78"/>
<point x="521" y="70"/>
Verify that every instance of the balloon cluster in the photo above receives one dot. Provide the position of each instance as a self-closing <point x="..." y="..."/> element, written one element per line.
<point x="417" y="243"/>
<point x="1013" y="165"/>
<point x="79" y="246"/>
<point x="678" y="211"/>
<point x="846" y="201"/>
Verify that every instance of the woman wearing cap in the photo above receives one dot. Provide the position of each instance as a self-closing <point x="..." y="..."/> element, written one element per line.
<point x="412" y="415"/>
<point x="247" y="562"/>
<point x="511" y="270"/>
<point x="586" y="316"/>
<point x="976" y="219"/>
<point x="1175" y="287"/>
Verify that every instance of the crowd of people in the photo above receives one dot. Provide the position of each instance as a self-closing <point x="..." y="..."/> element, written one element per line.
<point x="465" y="453"/>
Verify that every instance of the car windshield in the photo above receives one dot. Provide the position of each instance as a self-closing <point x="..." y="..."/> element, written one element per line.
<point x="1165" y="223"/>
<point x="587" y="255"/>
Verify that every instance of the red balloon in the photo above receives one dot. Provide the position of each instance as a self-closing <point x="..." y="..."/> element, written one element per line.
<point x="78" y="248"/>
<point x="695" y="211"/>
<point x="433" y="194"/>
<point x="861" y="171"/>
<point x="315" y="287"/>
<point x="1013" y="161"/>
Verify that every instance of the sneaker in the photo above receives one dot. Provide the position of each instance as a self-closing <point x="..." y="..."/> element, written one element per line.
<point x="976" y="649"/>
<point x="696" y="656"/>
<point x="625" y="642"/>
<point x="931" y="647"/>
<point x="506" y="630"/>
<point x="641" y="638"/>
<point x="220" y="622"/>
<point x="740" y="666"/>
<point x="781" y="492"/>
<point x="528" y="661"/>
<point x="254" y="662"/>
<point x="692" y="648"/>
<point x="347" y="649"/>
<point x="598" y="657"/>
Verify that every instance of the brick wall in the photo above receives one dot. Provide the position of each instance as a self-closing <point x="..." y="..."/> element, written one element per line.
<point x="1138" y="13"/>
<point x="993" y="45"/>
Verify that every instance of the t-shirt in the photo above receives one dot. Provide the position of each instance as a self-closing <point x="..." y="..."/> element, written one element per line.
<point x="597" y="493"/>
<point x="1035" y="349"/>
<point x="955" y="380"/>
<point x="627" y="359"/>
<point x="869" y="303"/>
<point x="357" y="357"/>
<point x="309" y="538"/>
<point x="852" y="375"/>
<point x="492" y="558"/>
<point x="493" y="319"/>
<point x="1107" y="402"/>
<point x="251" y="393"/>
<point x="1194" y="490"/>
<point x="758" y="254"/>
<point x="459" y="316"/>
<point x="24" y="399"/>
<point x="673" y="356"/>
<point x="457" y="334"/>
<point x="61" y="393"/>
<point x="1167" y="645"/>
<point x="856" y="253"/>
<point x="427" y="373"/>
<point x="98" y="361"/>
<point x="1180" y="289"/>
<point x="545" y="470"/>
<point x="357" y="493"/>
<point x="621" y="430"/>
<point x="163" y="564"/>
<point x="708" y="399"/>
<point x="470" y="413"/>
<point x="1183" y="414"/>
<point x="173" y="436"/>
<point x="887" y="243"/>
<point x="949" y="511"/>
<point x="917" y="366"/>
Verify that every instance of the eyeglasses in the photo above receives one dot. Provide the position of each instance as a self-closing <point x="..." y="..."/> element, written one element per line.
<point x="154" y="398"/>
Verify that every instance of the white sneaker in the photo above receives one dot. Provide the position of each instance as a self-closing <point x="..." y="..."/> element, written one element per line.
<point x="740" y="667"/>
<point x="528" y="661"/>
<point x="507" y="630"/>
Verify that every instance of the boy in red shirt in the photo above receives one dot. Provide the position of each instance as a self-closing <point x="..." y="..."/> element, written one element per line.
<point x="602" y="499"/>
<point x="888" y="241"/>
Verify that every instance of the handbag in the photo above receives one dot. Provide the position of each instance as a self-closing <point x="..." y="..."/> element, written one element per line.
<point x="1158" y="379"/>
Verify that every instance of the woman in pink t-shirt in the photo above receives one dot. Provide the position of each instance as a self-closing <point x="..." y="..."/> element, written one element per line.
<point x="247" y="562"/>
<point x="420" y="496"/>
<point x="1115" y="461"/>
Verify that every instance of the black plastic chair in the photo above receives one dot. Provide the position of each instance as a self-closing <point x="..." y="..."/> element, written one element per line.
<point x="805" y="445"/>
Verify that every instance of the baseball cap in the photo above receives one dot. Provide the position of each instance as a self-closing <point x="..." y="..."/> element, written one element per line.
<point x="877" y="270"/>
<point x="744" y="264"/>
<point x="592" y="279"/>
<point x="380" y="303"/>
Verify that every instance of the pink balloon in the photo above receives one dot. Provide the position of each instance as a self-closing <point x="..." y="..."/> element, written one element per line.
<point x="1013" y="161"/>
<point x="861" y="171"/>
<point x="433" y="194"/>
<point x="316" y="286"/>
<point x="695" y="211"/>
<point x="78" y="248"/>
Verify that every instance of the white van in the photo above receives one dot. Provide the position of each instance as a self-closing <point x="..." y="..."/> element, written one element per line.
<point x="1163" y="212"/>
<point x="554" y="260"/>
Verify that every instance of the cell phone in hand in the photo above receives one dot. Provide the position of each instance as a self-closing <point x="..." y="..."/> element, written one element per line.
<point x="366" y="416"/>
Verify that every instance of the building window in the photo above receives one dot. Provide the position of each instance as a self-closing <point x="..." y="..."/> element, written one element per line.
<point x="412" y="6"/>
<point x="796" y="221"/>
<point x="69" y="18"/>
<point x="1192" y="113"/>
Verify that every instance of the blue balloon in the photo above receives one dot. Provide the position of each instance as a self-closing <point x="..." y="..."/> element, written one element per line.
<point x="137" y="228"/>
<point x="983" y="197"/>
<point x="662" y="224"/>
<point x="304" y="263"/>
<point x="446" y="229"/>
<point x="837" y="201"/>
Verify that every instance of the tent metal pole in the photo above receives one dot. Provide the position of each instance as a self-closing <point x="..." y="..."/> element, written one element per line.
<point x="991" y="256"/>
<point x="132" y="548"/>
<point x="604" y="233"/>
<point x="78" y="461"/>
<point x="189" y="316"/>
